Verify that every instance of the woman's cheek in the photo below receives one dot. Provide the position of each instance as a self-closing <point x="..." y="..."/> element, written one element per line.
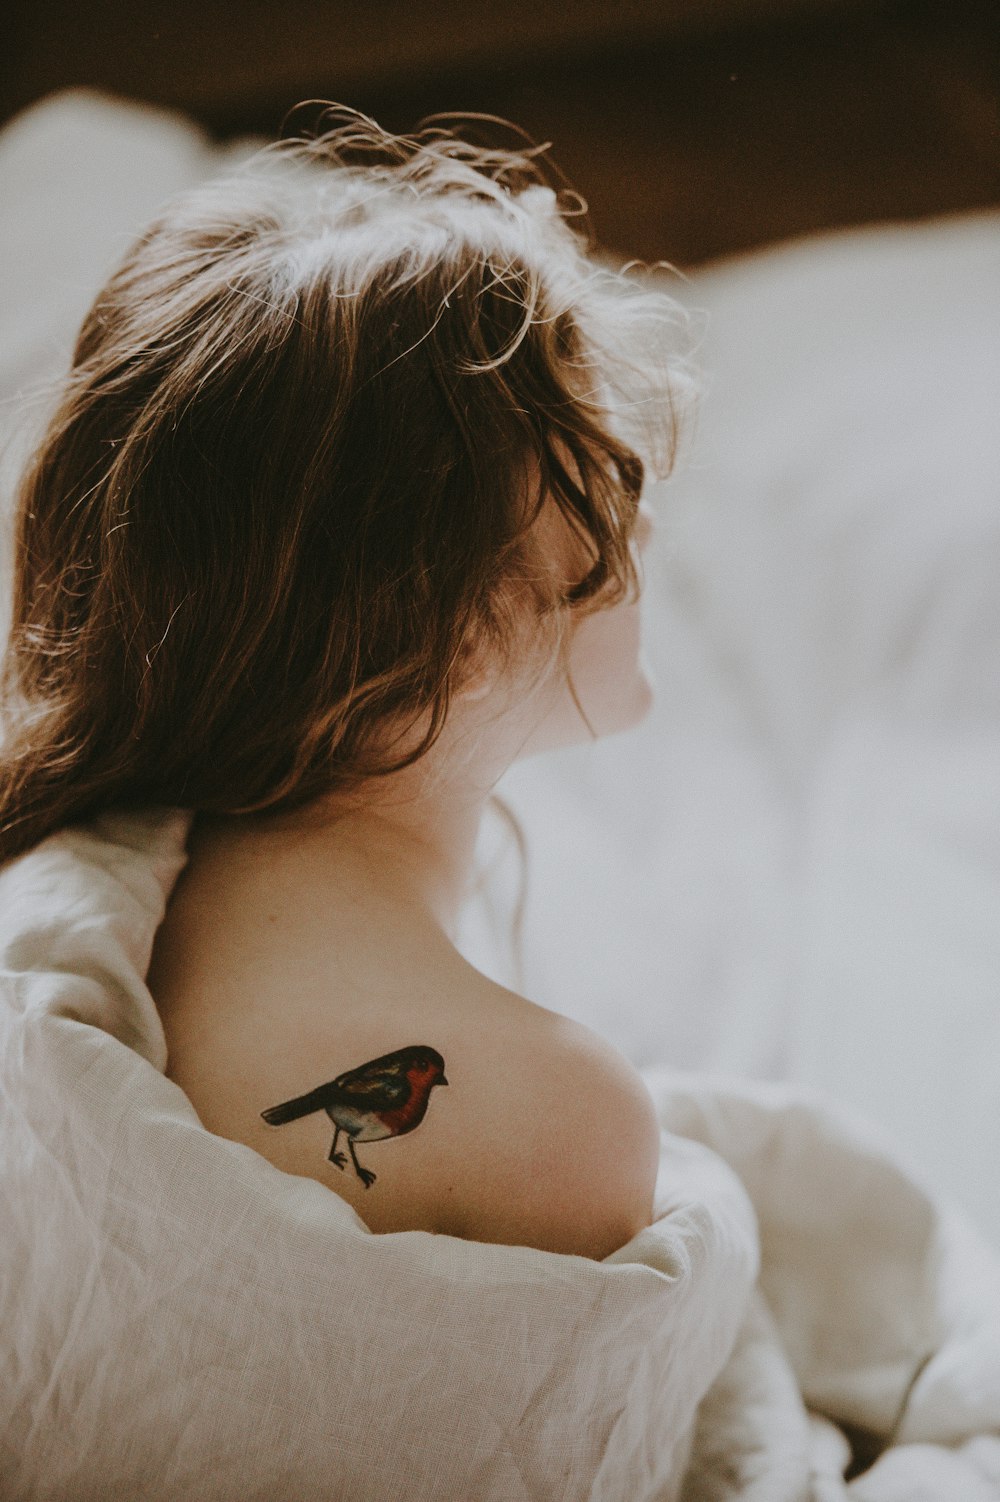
<point x="610" y="679"/>
<point x="609" y="670"/>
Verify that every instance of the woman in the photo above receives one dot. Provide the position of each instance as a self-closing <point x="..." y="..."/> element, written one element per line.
<point x="338" y="517"/>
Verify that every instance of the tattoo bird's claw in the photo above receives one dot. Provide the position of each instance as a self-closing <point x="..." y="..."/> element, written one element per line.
<point x="367" y="1177"/>
<point x="338" y="1158"/>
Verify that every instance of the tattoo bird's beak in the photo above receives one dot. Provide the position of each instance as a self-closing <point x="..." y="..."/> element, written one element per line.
<point x="442" y="1080"/>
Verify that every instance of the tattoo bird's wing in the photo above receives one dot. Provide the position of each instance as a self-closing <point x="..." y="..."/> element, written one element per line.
<point x="377" y="1090"/>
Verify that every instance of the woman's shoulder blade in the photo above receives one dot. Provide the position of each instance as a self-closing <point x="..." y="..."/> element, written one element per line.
<point x="538" y="1133"/>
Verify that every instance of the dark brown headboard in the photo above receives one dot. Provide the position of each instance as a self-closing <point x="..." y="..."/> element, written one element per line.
<point x="694" y="128"/>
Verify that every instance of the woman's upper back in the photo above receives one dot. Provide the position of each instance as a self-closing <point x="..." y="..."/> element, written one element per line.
<point x="545" y="1136"/>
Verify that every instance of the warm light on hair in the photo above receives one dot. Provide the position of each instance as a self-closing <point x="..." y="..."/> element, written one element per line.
<point x="287" y="501"/>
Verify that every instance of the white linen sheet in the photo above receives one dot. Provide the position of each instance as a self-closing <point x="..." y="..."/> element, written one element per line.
<point x="182" y="1319"/>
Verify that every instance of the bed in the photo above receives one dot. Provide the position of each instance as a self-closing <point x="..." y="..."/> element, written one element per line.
<point x="788" y="878"/>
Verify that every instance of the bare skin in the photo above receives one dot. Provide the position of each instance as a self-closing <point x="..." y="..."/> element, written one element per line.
<point x="299" y="947"/>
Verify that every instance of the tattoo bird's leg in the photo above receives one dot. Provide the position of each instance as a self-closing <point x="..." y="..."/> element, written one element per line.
<point x="336" y="1157"/>
<point x="364" y="1174"/>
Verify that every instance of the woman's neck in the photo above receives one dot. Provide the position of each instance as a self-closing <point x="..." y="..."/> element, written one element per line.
<point x="404" y="844"/>
<point x="419" y="854"/>
<point x="409" y="838"/>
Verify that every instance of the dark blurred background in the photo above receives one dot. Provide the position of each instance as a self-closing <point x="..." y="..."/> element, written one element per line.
<point x="694" y="128"/>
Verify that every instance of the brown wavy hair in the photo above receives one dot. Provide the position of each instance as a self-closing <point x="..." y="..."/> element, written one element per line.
<point x="286" y="501"/>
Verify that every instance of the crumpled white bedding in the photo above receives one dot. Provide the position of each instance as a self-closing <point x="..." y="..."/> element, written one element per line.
<point x="180" y="1318"/>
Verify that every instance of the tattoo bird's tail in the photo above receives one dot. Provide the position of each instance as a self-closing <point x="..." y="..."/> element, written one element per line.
<point x="291" y="1110"/>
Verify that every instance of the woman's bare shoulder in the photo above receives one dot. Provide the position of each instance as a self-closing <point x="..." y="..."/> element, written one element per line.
<point x="437" y="1100"/>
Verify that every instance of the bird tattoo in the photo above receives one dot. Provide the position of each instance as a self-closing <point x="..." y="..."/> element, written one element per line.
<point x="386" y="1097"/>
